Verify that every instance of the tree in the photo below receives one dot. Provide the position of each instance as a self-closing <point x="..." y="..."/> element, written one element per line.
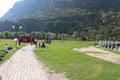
<point x="5" y="34"/>
<point x="75" y="35"/>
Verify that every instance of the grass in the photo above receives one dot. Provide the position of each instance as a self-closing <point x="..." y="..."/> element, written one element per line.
<point x="60" y="57"/>
<point x="10" y="43"/>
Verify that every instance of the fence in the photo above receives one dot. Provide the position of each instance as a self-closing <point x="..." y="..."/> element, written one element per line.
<point x="113" y="45"/>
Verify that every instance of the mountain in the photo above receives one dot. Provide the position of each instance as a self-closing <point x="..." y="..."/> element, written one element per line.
<point x="27" y="7"/>
<point x="24" y="8"/>
<point x="89" y="18"/>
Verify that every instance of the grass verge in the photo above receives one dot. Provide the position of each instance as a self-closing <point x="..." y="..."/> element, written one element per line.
<point x="10" y="43"/>
<point x="60" y="57"/>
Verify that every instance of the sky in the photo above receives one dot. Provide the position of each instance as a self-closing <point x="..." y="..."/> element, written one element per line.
<point x="5" y="5"/>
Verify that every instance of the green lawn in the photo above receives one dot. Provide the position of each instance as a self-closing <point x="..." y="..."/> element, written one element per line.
<point x="10" y="43"/>
<point x="60" y="57"/>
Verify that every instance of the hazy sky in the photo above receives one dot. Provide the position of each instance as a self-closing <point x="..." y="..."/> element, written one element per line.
<point x="5" y="5"/>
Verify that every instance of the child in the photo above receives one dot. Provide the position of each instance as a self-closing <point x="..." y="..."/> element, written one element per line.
<point x="6" y="47"/>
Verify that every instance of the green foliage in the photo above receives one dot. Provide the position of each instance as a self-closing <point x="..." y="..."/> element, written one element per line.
<point x="75" y="35"/>
<point x="91" y="19"/>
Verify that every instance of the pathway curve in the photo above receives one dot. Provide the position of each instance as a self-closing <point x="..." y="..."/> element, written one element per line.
<point x="22" y="66"/>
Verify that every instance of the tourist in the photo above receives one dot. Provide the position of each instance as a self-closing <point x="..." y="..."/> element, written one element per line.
<point x="43" y="45"/>
<point x="6" y="47"/>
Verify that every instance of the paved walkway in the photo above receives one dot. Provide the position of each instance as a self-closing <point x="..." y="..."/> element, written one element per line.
<point x="22" y="66"/>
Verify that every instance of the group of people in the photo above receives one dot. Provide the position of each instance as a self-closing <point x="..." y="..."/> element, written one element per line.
<point x="42" y="45"/>
<point x="32" y="41"/>
<point x="37" y="44"/>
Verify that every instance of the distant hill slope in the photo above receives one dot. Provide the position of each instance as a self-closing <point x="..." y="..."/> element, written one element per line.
<point x="24" y="8"/>
<point x="30" y="7"/>
<point x="89" y="18"/>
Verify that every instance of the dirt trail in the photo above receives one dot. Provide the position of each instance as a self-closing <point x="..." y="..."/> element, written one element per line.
<point x="23" y="65"/>
<point x="101" y="54"/>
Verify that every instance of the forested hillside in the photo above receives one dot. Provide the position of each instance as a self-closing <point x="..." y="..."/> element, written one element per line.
<point x="91" y="19"/>
<point x="28" y="7"/>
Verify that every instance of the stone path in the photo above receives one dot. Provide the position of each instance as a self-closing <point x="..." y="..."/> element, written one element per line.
<point x="22" y="66"/>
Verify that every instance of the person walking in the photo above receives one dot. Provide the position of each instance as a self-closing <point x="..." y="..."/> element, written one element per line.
<point x="31" y="41"/>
